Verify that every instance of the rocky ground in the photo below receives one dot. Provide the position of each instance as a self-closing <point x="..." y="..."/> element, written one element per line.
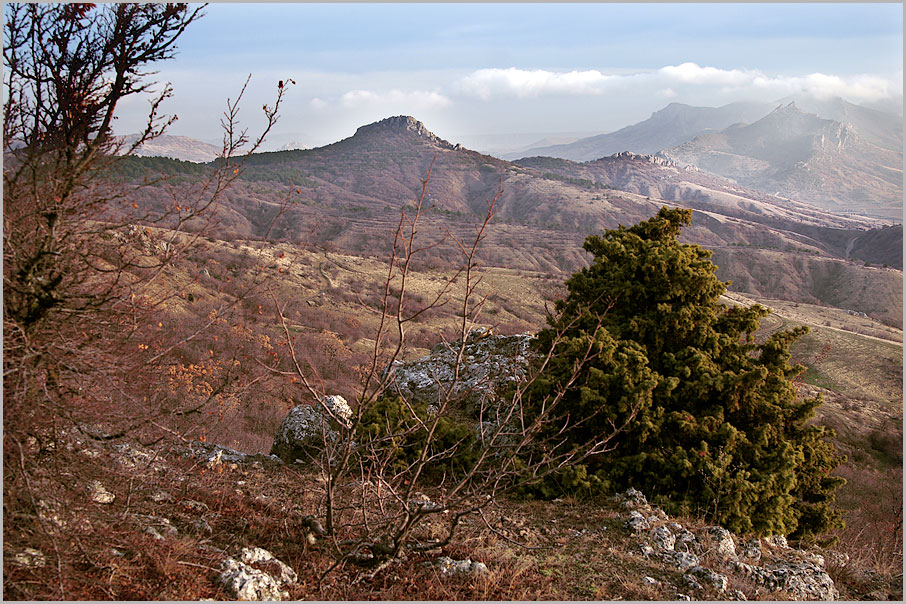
<point x="196" y="521"/>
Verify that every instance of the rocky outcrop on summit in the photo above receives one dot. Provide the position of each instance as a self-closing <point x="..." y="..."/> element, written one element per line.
<point x="657" y="160"/>
<point x="403" y="123"/>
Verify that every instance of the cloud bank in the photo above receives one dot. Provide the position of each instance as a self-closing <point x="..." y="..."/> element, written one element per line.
<point x="490" y="84"/>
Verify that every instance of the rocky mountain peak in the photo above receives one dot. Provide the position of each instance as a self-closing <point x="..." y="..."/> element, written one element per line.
<point x="659" y="159"/>
<point x="402" y="124"/>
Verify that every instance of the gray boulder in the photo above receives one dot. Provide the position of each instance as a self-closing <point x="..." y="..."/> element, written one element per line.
<point x="800" y="580"/>
<point x="303" y="431"/>
<point x="487" y="362"/>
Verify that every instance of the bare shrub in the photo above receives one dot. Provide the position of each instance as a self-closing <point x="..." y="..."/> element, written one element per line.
<point x="402" y="476"/>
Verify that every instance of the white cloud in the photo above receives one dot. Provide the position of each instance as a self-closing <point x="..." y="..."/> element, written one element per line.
<point x="671" y="81"/>
<point x="691" y="73"/>
<point x="318" y="104"/>
<point x="521" y="83"/>
<point x="417" y="99"/>
<point x="858" y="88"/>
<point x="863" y="87"/>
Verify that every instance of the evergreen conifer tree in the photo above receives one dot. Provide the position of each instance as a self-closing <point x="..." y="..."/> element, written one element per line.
<point x="719" y="428"/>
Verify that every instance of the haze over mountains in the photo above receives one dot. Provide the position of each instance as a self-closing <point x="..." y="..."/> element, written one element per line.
<point x="673" y="125"/>
<point x="182" y="148"/>
<point x="831" y="153"/>
<point x="347" y="196"/>
<point x="802" y="156"/>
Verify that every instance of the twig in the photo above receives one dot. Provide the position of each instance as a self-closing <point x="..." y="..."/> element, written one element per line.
<point x="513" y="541"/>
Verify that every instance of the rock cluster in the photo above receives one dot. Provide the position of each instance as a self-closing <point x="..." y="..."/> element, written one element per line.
<point x="797" y="574"/>
<point x="487" y="362"/>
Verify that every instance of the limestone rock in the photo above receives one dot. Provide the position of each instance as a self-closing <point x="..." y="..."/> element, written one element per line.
<point x="252" y="555"/>
<point x="708" y="577"/>
<point x="487" y="363"/>
<point x="663" y="538"/>
<point x="98" y="493"/>
<point x="680" y="560"/>
<point x="301" y="434"/>
<point x="722" y="542"/>
<point x="448" y="567"/>
<point x="801" y="580"/>
<point x="29" y="558"/>
<point x="242" y="582"/>
<point x="637" y="522"/>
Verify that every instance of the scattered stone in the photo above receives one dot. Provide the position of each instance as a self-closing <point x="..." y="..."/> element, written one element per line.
<point x="157" y="527"/>
<point x="838" y="559"/>
<point x="738" y="595"/>
<point x="801" y="580"/>
<point x="29" y="558"/>
<point x="194" y="506"/>
<point x="160" y="496"/>
<point x="686" y="541"/>
<point x="98" y="493"/>
<point x="691" y="583"/>
<point x="637" y="522"/>
<point x="776" y="541"/>
<point x="663" y="538"/>
<point x="650" y="581"/>
<point x="751" y="549"/>
<point x="201" y="525"/>
<point x="722" y="541"/>
<point x="683" y="597"/>
<point x="647" y="550"/>
<point x="215" y="459"/>
<point x="134" y="457"/>
<point x="815" y="558"/>
<point x="681" y="560"/>
<point x="707" y="576"/>
<point x="449" y="567"/>
<point x="633" y="497"/>
<point x="488" y="362"/>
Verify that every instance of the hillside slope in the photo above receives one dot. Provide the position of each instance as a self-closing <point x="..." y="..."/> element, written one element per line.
<point x="347" y="196"/>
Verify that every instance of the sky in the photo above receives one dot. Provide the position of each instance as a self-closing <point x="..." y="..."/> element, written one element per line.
<point x="516" y="68"/>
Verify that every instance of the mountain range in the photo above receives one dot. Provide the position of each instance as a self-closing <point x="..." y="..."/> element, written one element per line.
<point x="347" y="196"/>
<point x="673" y="125"/>
<point x="801" y="156"/>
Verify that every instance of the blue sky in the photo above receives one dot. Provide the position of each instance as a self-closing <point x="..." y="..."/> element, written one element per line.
<point x="469" y="69"/>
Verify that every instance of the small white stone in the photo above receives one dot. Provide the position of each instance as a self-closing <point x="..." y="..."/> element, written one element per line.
<point x="98" y="493"/>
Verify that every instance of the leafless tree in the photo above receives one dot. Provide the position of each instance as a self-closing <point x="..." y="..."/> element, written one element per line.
<point x="83" y="260"/>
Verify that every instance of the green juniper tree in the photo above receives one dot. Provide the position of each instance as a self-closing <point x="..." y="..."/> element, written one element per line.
<point x="720" y="430"/>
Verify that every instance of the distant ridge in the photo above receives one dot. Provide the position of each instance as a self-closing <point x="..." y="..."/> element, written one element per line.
<point x="799" y="155"/>
<point x="673" y="125"/>
<point x="182" y="148"/>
